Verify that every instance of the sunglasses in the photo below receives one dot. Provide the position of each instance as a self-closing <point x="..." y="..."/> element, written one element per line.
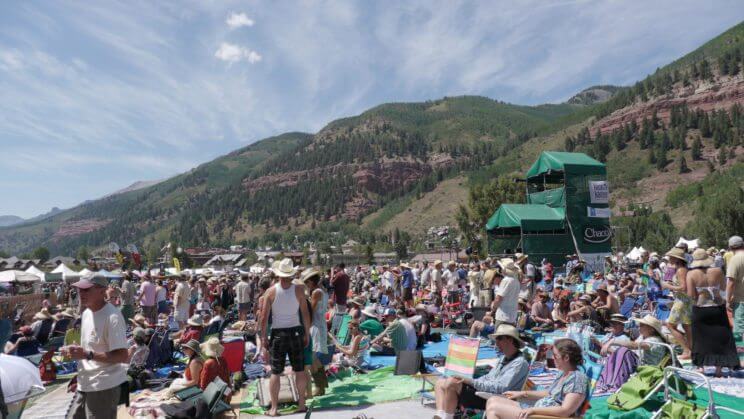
<point x="501" y="337"/>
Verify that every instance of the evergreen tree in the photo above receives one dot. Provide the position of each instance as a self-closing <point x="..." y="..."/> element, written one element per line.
<point x="682" y="164"/>
<point x="651" y="156"/>
<point x="697" y="148"/>
<point x="722" y="156"/>
<point x="661" y="159"/>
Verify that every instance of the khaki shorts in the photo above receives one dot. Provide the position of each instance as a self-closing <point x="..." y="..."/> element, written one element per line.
<point x="95" y="404"/>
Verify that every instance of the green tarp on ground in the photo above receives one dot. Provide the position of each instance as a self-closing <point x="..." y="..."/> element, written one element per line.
<point x="600" y="410"/>
<point x="528" y="217"/>
<point x="560" y="161"/>
<point x="360" y="389"/>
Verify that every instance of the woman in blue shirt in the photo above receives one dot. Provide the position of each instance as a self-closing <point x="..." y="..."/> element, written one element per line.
<point x="564" y="398"/>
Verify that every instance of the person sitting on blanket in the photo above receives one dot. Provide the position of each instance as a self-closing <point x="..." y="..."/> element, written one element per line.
<point x="482" y="328"/>
<point x="617" y="333"/>
<point x="193" y="330"/>
<point x="394" y="335"/>
<point x="23" y="344"/>
<point x="510" y="374"/>
<point x="564" y="397"/>
<point x="138" y="353"/>
<point x="370" y="324"/>
<point x="353" y="354"/>
<point x="214" y="365"/>
<point x="194" y="366"/>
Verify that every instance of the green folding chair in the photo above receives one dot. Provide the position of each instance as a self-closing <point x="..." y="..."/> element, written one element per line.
<point x="681" y="406"/>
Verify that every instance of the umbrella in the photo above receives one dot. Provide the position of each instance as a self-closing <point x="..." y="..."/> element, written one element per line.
<point x="18" y="377"/>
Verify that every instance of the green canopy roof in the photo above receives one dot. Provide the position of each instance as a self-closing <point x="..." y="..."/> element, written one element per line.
<point x="529" y="217"/>
<point x="560" y="161"/>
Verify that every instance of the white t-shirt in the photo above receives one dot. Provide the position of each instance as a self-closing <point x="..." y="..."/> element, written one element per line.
<point x="451" y="279"/>
<point x="184" y="295"/>
<point x="161" y="295"/>
<point x="509" y="292"/>
<point x="243" y="292"/>
<point x="102" y="331"/>
<point x="410" y="334"/>
<point x="388" y="279"/>
<point x="436" y="280"/>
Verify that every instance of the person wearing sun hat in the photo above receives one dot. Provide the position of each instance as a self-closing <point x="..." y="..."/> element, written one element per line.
<point x="617" y="333"/>
<point x="42" y="325"/>
<point x="193" y="330"/>
<point x="102" y="355"/>
<point x="289" y="334"/>
<point x="681" y="311"/>
<point x="510" y="374"/>
<point x="712" y="338"/>
<point x="371" y="322"/>
<point x="505" y="301"/>
<point x="734" y="262"/>
<point x="651" y="332"/>
<point x="215" y="364"/>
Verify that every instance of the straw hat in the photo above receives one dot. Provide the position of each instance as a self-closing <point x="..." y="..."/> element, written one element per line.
<point x="437" y="262"/>
<point x="618" y="318"/>
<point x="701" y="259"/>
<point x="652" y="322"/>
<point x="356" y="301"/>
<point x="508" y="330"/>
<point x="509" y="267"/>
<point x="405" y="265"/>
<point x="520" y="257"/>
<point x="451" y="263"/>
<point x="677" y="253"/>
<point x="284" y="269"/>
<point x="309" y="273"/>
<point x="193" y="344"/>
<point x="43" y="314"/>
<point x="68" y="312"/>
<point x="212" y="348"/>
<point x="196" y="320"/>
<point x="139" y="320"/>
<point x="370" y="312"/>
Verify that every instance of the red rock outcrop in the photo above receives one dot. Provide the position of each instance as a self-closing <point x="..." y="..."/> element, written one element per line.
<point x="706" y="96"/>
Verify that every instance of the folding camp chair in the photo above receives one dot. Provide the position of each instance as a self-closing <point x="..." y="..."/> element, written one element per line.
<point x="684" y="408"/>
<point x="663" y="308"/>
<point x="212" y="396"/>
<point x="633" y="394"/>
<point x="234" y="354"/>
<point x="54" y="343"/>
<point x="627" y="308"/>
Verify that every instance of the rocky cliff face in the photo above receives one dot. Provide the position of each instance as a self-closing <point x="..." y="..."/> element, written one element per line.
<point x="706" y="96"/>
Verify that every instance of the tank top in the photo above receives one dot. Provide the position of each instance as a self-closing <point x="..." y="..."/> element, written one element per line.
<point x="285" y="309"/>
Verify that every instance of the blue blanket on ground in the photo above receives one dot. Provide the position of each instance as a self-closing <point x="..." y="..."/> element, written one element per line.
<point x="431" y="349"/>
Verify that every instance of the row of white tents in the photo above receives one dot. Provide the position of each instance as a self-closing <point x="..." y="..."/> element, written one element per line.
<point x="61" y="272"/>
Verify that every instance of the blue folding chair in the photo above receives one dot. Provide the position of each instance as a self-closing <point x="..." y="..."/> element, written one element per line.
<point x="663" y="308"/>
<point x="627" y="308"/>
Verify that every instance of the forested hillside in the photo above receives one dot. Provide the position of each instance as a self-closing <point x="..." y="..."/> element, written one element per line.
<point x="359" y="177"/>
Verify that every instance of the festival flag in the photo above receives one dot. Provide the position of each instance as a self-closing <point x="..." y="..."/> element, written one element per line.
<point x="177" y="265"/>
<point x="462" y="355"/>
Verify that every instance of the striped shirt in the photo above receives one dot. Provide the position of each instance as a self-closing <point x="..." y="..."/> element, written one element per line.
<point x="397" y="333"/>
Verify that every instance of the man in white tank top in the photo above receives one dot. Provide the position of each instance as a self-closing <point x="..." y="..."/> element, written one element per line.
<point x="289" y="334"/>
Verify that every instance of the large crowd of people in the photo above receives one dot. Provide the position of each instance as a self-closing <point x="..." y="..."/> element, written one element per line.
<point x="289" y="315"/>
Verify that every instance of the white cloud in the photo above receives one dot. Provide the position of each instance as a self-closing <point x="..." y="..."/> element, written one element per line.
<point x="233" y="53"/>
<point x="237" y="20"/>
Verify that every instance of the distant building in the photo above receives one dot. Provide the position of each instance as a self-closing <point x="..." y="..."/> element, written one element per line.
<point x="58" y="260"/>
<point x="225" y="262"/>
<point x="348" y="247"/>
<point x="17" y="263"/>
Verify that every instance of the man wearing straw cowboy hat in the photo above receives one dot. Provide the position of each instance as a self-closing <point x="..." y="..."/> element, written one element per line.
<point x="289" y="334"/>
<point x="102" y="354"/>
<point x="505" y="301"/>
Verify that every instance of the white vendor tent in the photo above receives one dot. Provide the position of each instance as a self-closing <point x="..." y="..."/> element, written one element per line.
<point x="33" y="270"/>
<point x="635" y="254"/>
<point x="18" y="276"/>
<point x="67" y="273"/>
<point x="85" y="271"/>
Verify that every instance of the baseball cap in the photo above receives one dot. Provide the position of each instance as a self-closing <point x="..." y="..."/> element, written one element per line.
<point x="91" y="280"/>
<point x="735" y="241"/>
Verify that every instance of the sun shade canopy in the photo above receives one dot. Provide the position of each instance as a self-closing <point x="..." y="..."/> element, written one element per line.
<point x="528" y="217"/>
<point x="560" y="161"/>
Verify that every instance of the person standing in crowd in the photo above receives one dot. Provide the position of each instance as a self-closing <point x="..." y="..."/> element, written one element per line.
<point x="289" y="335"/>
<point x="505" y="302"/>
<point x="451" y="280"/>
<point x="485" y="296"/>
<point x="161" y="297"/>
<point x="681" y="311"/>
<point x="425" y="276"/>
<point x="243" y="297"/>
<point x="182" y="301"/>
<point x="126" y="291"/>
<point x="340" y="285"/>
<point x="735" y="284"/>
<point x="147" y="294"/>
<point x="435" y="285"/>
<point x="527" y="279"/>
<point x="319" y="328"/>
<point x="475" y="280"/>
<point x="102" y="355"/>
<point x="407" y="284"/>
<point x="712" y="339"/>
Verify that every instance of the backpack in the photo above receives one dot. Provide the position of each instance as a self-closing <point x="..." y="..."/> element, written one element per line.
<point x="620" y="366"/>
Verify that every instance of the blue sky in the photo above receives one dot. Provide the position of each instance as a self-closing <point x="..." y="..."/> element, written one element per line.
<point x="97" y="95"/>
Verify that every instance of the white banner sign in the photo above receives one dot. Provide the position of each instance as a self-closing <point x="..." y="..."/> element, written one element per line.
<point x="595" y="261"/>
<point x="598" y="212"/>
<point x="599" y="192"/>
